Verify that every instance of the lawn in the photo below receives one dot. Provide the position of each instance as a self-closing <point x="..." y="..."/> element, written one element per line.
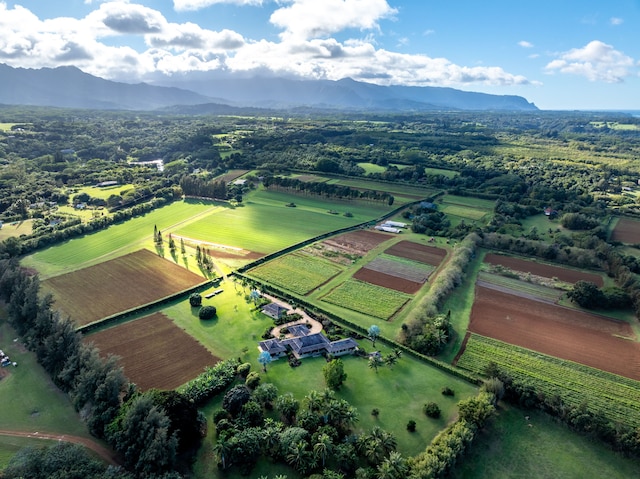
<point x="512" y="447"/>
<point x="15" y="228"/>
<point x="30" y="401"/>
<point x="115" y="241"/>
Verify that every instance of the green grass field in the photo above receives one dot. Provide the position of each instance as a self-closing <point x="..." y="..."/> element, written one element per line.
<point x="16" y="228"/>
<point x="265" y="224"/>
<point x="512" y="447"/>
<point x="372" y="168"/>
<point x="102" y="193"/>
<point x="297" y="272"/>
<point x="367" y="298"/>
<point x="30" y="401"/>
<point x="113" y="242"/>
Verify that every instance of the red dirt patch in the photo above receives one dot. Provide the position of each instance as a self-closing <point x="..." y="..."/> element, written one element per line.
<point x="387" y="281"/>
<point x="557" y="331"/>
<point x="357" y="242"/>
<point x="626" y="231"/>
<point x="545" y="270"/>
<point x="154" y="352"/>
<point x="96" y="292"/>
<point x="418" y="252"/>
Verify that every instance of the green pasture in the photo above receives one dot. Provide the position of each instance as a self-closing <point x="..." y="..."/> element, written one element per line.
<point x="15" y="228"/>
<point x="614" y="125"/>
<point x="264" y="224"/>
<point x="512" y="447"/>
<point x="7" y="126"/>
<point x="101" y="193"/>
<point x="367" y="298"/>
<point x="372" y="168"/>
<point x="402" y="193"/>
<point x="543" y="224"/>
<point x="114" y="241"/>
<point x="296" y="272"/>
<point x="30" y="401"/>
<point x="463" y="212"/>
<point x="441" y="171"/>
<point x="468" y="202"/>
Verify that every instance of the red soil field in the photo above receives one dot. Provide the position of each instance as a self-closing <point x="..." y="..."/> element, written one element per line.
<point x="154" y="352"/>
<point x="569" y="334"/>
<point x="626" y="231"/>
<point x="418" y="252"/>
<point x="387" y="281"/>
<point x="96" y="292"/>
<point x="357" y="242"/>
<point x="539" y="269"/>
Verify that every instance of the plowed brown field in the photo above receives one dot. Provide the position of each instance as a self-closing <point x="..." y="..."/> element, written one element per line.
<point x="418" y="252"/>
<point x="154" y="352"/>
<point x="357" y="242"/>
<point x="626" y="231"/>
<point x="545" y="270"/>
<point x="557" y="331"/>
<point x="96" y="292"/>
<point x="387" y="281"/>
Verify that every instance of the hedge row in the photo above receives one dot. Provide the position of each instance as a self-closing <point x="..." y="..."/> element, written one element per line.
<point x="213" y="380"/>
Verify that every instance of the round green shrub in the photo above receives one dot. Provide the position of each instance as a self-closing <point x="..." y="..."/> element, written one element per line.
<point x="207" y="312"/>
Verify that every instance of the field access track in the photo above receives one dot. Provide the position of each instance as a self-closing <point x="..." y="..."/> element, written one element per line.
<point x="418" y="252"/>
<point x="154" y="352"/>
<point x="577" y="336"/>
<point x="93" y="293"/>
<point x="545" y="270"/>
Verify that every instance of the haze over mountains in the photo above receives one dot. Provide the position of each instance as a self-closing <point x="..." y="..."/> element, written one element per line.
<point x="69" y="87"/>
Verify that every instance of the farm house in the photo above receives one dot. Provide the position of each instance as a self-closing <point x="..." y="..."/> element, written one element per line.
<point x="303" y="345"/>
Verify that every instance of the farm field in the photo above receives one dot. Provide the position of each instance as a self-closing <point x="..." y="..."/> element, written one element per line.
<point x="114" y="241"/>
<point x="154" y="352"/>
<point x="93" y="293"/>
<point x="557" y="331"/>
<point x="367" y="298"/>
<point x="402" y="193"/>
<point x="512" y="446"/>
<point x="357" y="242"/>
<point x="615" y="396"/>
<point x="15" y="228"/>
<point x="626" y="231"/>
<point x="297" y="272"/>
<point x="264" y="224"/>
<point x="519" y="287"/>
<point x="400" y="275"/>
<point x="546" y="270"/>
<point x="418" y="252"/>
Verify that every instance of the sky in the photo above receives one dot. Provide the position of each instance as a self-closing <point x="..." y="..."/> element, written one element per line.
<point x="560" y="54"/>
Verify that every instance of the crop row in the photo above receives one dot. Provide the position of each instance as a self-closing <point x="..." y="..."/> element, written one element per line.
<point x="367" y="298"/>
<point x="532" y="289"/>
<point x="401" y="268"/>
<point x="297" y="272"/>
<point x="614" y="396"/>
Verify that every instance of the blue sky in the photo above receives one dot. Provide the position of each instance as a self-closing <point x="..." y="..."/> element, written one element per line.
<point x="561" y="54"/>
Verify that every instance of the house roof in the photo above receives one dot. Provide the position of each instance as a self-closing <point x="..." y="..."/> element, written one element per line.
<point x="342" y="344"/>
<point x="272" y="346"/>
<point x="274" y="310"/>
<point x="299" y="330"/>
<point x="305" y="344"/>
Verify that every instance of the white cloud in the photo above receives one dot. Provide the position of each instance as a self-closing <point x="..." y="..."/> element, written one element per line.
<point x="313" y="19"/>
<point x="185" y="5"/>
<point x="615" y="21"/>
<point x="305" y="49"/>
<point x="596" y="61"/>
<point x="525" y="44"/>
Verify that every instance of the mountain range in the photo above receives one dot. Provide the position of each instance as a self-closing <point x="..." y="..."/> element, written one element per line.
<point x="69" y="87"/>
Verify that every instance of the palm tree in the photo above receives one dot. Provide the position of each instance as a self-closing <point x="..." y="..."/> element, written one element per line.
<point x="323" y="446"/>
<point x="393" y="467"/>
<point x="375" y="362"/>
<point x="300" y="458"/>
<point x="222" y="449"/>
<point x="314" y="400"/>
<point x="390" y="359"/>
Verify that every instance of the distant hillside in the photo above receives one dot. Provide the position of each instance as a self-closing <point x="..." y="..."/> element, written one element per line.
<point x="346" y="94"/>
<point x="71" y="88"/>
